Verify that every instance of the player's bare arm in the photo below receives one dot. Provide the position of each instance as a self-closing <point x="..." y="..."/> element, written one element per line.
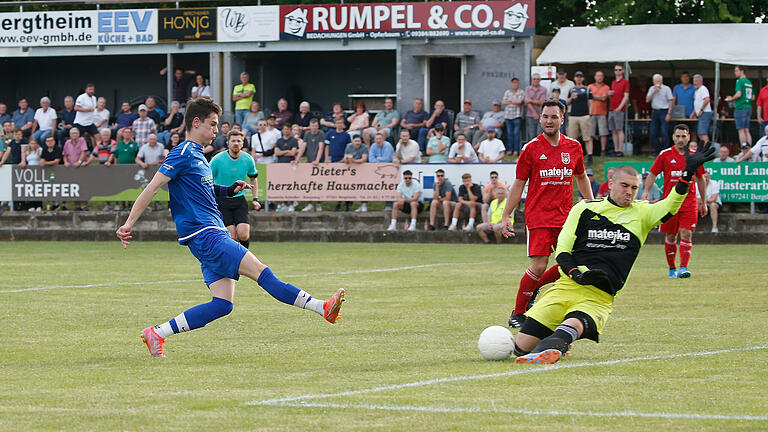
<point x="582" y="182"/>
<point x="648" y="185"/>
<point x="515" y="194"/>
<point x="124" y="232"/>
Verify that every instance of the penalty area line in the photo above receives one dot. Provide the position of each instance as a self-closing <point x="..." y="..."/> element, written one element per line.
<point x="437" y="409"/>
<point x="522" y="371"/>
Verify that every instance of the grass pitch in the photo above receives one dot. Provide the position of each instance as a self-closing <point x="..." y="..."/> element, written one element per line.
<point x="404" y="356"/>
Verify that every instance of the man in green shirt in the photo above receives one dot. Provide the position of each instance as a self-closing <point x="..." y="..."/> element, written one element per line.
<point x="384" y="122"/>
<point x="242" y="96"/>
<point x="126" y="150"/>
<point x="742" y="104"/>
<point x="227" y="168"/>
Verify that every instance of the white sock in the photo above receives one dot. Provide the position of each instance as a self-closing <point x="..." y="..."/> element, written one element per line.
<point x="393" y="223"/>
<point x="471" y="222"/>
<point x="413" y="221"/>
<point x="454" y="221"/>
<point x="306" y="301"/>
<point x="164" y="330"/>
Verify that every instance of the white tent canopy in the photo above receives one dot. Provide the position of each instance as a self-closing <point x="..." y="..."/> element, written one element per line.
<point x="721" y="43"/>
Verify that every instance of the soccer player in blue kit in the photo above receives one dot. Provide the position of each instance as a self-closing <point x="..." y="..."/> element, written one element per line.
<point x="200" y="227"/>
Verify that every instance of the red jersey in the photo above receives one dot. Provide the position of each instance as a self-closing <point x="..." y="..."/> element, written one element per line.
<point x="672" y="164"/>
<point x="619" y="89"/>
<point x="549" y="171"/>
<point x="762" y="101"/>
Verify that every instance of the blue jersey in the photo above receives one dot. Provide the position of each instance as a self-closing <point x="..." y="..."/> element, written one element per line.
<point x="193" y="203"/>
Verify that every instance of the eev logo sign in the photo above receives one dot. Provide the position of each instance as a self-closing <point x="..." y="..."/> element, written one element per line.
<point x="127" y="27"/>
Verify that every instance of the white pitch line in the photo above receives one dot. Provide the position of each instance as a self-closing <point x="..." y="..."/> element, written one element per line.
<point x="524" y="371"/>
<point x="53" y="287"/>
<point x="520" y="411"/>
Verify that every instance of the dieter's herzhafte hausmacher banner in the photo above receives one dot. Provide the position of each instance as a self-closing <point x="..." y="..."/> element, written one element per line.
<point x="333" y="182"/>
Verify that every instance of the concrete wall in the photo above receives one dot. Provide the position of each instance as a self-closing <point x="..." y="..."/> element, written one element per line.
<point x="491" y="63"/>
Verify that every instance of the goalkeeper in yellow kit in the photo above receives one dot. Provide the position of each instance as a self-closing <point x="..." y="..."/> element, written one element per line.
<point x="596" y="250"/>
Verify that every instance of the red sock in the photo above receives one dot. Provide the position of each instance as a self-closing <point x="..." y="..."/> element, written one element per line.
<point x="528" y="284"/>
<point x="685" y="252"/>
<point x="549" y="276"/>
<point x="671" y="250"/>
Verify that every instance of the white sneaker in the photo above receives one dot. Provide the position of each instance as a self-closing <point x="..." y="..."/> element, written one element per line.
<point x="363" y="208"/>
<point x="280" y="208"/>
<point x="39" y="209"/>
<point x="469" y="228"/>
<point x="452" y="228"/>
<point x="308" y="208"/>
<point x="714" y="229"/>
<point x="412" y="227"/>
<point x="290" y="209"/>
<point x="107" y="208"/>
<point x="392" y="228"/>
<point x="318" y="207"/>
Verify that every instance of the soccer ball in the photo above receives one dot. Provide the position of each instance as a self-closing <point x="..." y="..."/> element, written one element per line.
<point x="496" y="343"/>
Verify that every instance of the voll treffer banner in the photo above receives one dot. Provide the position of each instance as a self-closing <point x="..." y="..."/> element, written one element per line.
<point x="78" y="28"/>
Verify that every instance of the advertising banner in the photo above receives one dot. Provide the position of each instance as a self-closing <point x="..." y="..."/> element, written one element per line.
<point x="78" y="28"/>
<point x="425" y="174"/>
<point x="186" y="25"/>
<point x="332" y="182"/>
<point x="743" y="182"/>
<point x="408" y="20"/>
<point x="248" y="23"/>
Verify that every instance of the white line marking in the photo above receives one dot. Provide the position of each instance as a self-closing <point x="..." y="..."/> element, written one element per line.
<point x="52" y="287"/>
<point x="520" y="411"/>
<point x="523" y="371"/>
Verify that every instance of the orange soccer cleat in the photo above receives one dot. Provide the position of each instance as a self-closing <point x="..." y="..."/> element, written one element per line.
<point x="332" y="306"/>
<point x="547" y="356"/>
<point x="154" y="342"/>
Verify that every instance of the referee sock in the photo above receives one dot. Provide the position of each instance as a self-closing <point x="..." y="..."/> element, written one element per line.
<point x="528" y="284"/>
<point x="287" y="293"/>
<point x="245" y="243"/>
<point x="685" y="252"/>
<point x="671" y="250"/>
<point x="195" y="317"/>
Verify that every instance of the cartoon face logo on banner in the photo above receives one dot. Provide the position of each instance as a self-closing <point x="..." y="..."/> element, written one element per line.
<point x="296" y="22"/>
<point x="515" y="17"/>
<point x="234" y="22"/>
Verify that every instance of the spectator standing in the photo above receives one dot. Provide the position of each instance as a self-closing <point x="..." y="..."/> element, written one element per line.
<point x="654" y="193"/>
<point x="75" y="150"/>
<point x="251" y="123"/>
<point x="467" y="121"/>
<point x="488" y="193"/>
<point x="742" y="104"/>
<point x="599" y="111"/>
<point x="4" y="116"/>
<point x="143" y="126"/>
<point x="356" y="153"/>
<point x="491" y="150"/>
<point x="358" y="120"/>
<point x="701" y="108"/>
<point x="242" y="96"/>
<point x="303" y="117"/>
<point x="758" y="152"/>
<point x="101" y="115"/>
<point x="200" y="89"/>
<point x="85" y="118"/>
<point x="762" y="105"/>
<point x="410" y="202"/>
<point x="437" y="147"/>
<point x="714" y="203"/>
<point x="491" y="119"/>
<point x="385" y="122"/>
<point x="438" y="116"/>
<point x="45" y="120"/>
<point x="67" y="116"/>
<point x="312" y="140"/>
<point x="51" y="154"/>
<point x="724" y="155"/>
<point x="461" y="151"/>
<point x="513" y="115"/>
<point x="153" y="112"/>
<point x="535" y="95"/>
<point x="563" y="83"/>
<point x="282" y="115"/>
<point x="660" y="97"/>
<point x="124" y="119"/>
<point x="556" y="96"/>
<point x="470" y="196"/>
<point x="619" y="94"/>
<point x="494" y="221"/>
<point x="181" y="81"/>
<point x="580" y="102"/>
<point x="173" y="122"/>
<point x="443" y="197"/>
<point x="407" y="150"/>
<point x="683" y="95"/>
<point x="151" y="153"/>
<point x="415" y="119"/>
<point x="23" y="118"/>
<point x="263" y="145"/>
<point x="103" y="149"/>
<point x="329" y="121"/>
<point x="335" y="143"/>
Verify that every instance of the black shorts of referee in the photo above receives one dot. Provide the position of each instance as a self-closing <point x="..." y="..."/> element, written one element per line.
<point x="234" y="210"/>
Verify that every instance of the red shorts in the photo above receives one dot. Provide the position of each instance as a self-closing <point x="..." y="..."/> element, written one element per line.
<point x="541" y="241"/>
<point x="686" y="218"/>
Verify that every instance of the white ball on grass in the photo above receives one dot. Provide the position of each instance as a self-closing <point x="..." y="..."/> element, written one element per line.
<point x="496" y="343"/>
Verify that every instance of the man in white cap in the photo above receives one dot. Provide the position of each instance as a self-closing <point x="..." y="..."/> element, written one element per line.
<point x="143" y="126"/>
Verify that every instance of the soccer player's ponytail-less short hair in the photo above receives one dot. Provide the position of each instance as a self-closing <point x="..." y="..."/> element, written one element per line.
<point x="683" y="126"/>
<point x="624" y="169"/>
<point x="201" y="108"/>
<point x="235" y="132"/>
<point x="555" y="103"/>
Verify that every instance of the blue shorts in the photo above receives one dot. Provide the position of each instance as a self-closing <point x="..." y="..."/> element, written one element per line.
<point x="742" y="118"/>
<point x="702" y="128"/>
<point x="218" y="254"/>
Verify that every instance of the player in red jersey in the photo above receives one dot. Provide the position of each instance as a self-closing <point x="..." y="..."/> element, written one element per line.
<point x="548" y="163"/>
<point x="671" y="162"/>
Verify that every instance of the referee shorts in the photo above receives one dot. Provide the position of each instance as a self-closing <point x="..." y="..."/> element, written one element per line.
<point x="567" y="296"/>
<point x="234" y="210"/>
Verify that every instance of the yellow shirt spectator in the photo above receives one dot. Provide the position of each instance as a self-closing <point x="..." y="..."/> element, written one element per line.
<point x="244" y="103"/>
